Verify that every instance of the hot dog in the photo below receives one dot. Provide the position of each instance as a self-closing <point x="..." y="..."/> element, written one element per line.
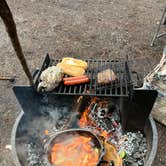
<point x="74" y="78"/>
<point x="76" y="81"/>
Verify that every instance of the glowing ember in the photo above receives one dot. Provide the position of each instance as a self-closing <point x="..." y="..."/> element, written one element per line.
<point x="105" y="134"/>
<point x="46" y="132"/>
<point x="78" y="150"/>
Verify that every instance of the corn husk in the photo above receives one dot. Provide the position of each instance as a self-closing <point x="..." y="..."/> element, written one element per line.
<point x="74" y="62"/>
<point x="73" y="67"/>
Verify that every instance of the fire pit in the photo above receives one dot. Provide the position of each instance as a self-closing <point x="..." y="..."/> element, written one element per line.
<point x="44" y="115"/>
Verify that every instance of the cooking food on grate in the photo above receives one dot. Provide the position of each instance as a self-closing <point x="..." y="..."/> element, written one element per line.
<point x="73" y="67"/>
<point x="76" y="80"/>
<point x="106" y="76"/>
<point x="50" y="78"/>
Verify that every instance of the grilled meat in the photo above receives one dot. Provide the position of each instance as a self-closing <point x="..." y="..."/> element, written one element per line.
<point x="106" y="76"/>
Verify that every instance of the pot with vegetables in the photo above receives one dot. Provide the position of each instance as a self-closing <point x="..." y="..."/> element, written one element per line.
<point x="75" y="147"/>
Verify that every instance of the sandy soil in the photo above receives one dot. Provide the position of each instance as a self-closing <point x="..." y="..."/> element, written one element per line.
<point x="93" y="28"/>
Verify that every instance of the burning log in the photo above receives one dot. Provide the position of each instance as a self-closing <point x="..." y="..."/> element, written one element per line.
<point x="98" y="116"/>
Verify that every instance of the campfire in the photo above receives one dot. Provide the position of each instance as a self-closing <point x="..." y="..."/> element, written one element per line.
<point x="54" y="116"/>
<point x="101" y="116"/>
<point x="107" y="120"/>
<point x="98" y="117"/>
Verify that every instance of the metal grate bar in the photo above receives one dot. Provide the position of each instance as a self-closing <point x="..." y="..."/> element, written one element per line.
<point x="116" y="83"/>
<point x="111" y="67"/>
<point x="105" y="90"/>
<point x="90" y="74"/>
<point x="121" y="81"/>
<point x="126" y="87"/>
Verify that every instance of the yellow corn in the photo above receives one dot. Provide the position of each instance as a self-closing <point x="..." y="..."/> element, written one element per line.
<point x="74" y="62"/>
<point x="72" y="70"/>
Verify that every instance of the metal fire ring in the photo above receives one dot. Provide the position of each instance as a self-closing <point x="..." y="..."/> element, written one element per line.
<point x="152" y="134"/>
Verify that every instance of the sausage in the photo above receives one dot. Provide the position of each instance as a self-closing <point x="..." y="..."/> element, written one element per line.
<point x="74" y="78"/>
<point x="77" y="81"/>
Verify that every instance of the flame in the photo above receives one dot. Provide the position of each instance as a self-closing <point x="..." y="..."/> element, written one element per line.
<point x="46" y="132"/>
<point x="105" y="134"/>
<point x="85" y="121"/>
<point x="76" y="151"/>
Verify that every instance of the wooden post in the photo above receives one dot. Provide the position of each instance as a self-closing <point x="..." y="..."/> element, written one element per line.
<point x="8" y="20"/>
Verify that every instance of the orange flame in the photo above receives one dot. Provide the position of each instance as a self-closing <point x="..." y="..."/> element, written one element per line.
<point x="105" y="134"/>
<point x="76" y="151"/>
<point x="46" y="132"/>
<point x="85" y="121"/>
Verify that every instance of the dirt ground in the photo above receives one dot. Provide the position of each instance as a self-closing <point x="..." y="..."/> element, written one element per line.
<point x="92" y="28"/>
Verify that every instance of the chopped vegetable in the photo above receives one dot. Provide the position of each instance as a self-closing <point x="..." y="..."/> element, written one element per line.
<point x="78" y="151"/>
<point x="122" y="154"/>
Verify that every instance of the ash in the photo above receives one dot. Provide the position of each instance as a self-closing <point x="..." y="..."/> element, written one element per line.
<point x="135" y="147"/>
<point x="35" y="157"/>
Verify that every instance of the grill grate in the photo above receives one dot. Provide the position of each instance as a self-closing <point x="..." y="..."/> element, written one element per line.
<point x="120" y="87"/>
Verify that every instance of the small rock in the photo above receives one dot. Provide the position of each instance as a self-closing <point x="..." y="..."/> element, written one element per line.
<point x="9" y="147"/>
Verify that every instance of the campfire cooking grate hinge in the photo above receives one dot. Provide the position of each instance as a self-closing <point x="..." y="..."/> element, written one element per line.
<point x="121" y="87"/>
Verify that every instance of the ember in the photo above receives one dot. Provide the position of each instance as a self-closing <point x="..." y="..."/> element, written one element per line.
<point x="99" y="117"/>
<point x="77" y="150"/>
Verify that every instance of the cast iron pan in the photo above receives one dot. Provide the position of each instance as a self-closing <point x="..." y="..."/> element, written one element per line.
<point x="82" y="132"/>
